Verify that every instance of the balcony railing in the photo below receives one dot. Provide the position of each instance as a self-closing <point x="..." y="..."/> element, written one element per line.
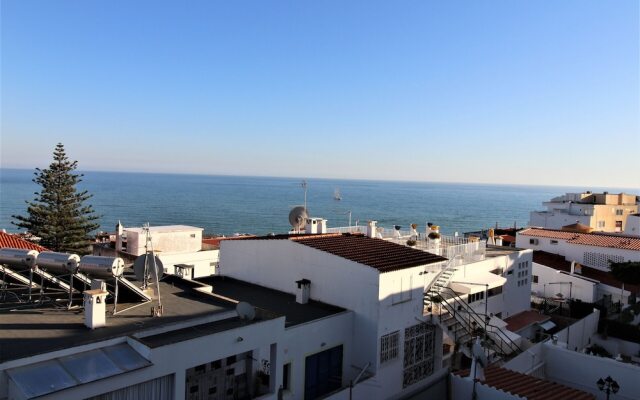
<point x="465" y="249"/>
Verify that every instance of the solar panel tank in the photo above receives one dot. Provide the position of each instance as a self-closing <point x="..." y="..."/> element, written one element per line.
<point x="62" y="263"/>
<point x="18" y="258"/>
<point x="102" y="267"/>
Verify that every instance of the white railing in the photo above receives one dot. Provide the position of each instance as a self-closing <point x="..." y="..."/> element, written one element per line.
<point x="348" y="229"/>
<point x="464" y="249"/>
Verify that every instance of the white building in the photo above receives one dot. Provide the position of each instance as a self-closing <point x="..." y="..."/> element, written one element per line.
<point x="576" y="265"/>
<point x="600" y="211"/>
<point x="164" y="239"/>
<point x="179" y="248"/>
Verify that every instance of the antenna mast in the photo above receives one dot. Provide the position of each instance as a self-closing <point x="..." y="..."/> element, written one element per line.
<point x="156" y="311"/>
<point x="304" y="187"/>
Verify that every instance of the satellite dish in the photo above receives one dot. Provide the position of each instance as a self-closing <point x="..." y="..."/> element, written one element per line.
<point x="139" y="268"/>
<point x="297" y="217"/>
<point x="246" y="311"/>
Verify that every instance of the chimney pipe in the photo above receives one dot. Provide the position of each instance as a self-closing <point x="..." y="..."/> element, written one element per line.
<point x="304" y="291"/>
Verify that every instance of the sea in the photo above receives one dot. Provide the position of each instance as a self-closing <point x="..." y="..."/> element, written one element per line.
<point x="226" y="205"/>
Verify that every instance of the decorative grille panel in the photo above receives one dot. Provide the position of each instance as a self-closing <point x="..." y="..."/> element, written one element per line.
<point x="389" y="347"/>
<point x="419" y="353"/>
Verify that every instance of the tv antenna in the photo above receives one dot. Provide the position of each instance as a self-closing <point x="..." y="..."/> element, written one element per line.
<point x="297" y="217"/>
<point x="151" y="269"/>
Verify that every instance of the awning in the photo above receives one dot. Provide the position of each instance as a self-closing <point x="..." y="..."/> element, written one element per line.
<point x="477" y="282"/>
<point x="547" y="326"/>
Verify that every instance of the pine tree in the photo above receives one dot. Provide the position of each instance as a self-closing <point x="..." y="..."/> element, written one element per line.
<point x="58" y="214"/>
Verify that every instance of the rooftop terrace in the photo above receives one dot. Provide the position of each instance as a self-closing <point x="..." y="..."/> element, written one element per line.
<point x="41" y="329"/>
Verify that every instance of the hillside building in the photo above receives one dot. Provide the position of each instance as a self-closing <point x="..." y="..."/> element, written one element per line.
<point x="603" y="212"/>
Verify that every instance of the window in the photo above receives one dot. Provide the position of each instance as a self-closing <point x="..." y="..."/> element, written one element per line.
<point x="533" y="241"/>
<point x="419" y="350"/>
<point x="510" y="272"/>
<point x="473" y="297"/>
<point x="193" y="235"/>
<point x="323" y="373"/>
<point x="495" y="291"/>
<point x="601" y="224"/>
<point x="553" y="241"/>
<point x="497" y="271"/>
<point x="619" y="211"/>
<point x="286" y="376"/>
<point x="389" y="345"/>
<point x="535" y="278"/>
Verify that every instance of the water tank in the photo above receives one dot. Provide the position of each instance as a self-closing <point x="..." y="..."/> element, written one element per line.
<point x="102" y="267"/>
<point x="62" y="263"/>
<point x="20" y="258"/>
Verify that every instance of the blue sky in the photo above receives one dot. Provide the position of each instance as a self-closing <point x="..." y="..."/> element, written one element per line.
<point x="530" y="92"/>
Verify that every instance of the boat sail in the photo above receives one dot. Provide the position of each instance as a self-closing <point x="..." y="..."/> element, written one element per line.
<point x="337" y="195"/>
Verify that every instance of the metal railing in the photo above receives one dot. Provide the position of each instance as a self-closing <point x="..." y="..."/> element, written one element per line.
<point x="473" y="322"/>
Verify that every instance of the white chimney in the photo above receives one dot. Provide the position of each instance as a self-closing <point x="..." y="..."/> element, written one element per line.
<point x="304" y="291"/>
<point x="95" y="308"/>
<point x="311" y="225"/>
<point x="498" y="241"/>
<point x="322" y="226"/>
<point x="119" y="231"/>
<point x="371" y="229"/>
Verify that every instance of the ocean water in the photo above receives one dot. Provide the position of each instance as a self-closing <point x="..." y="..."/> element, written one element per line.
<point x="259" y="205"/>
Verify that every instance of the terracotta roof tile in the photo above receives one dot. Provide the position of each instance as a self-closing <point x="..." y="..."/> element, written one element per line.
<point x="590" y="239"/>
<point x="16" y="242"/>
<point x="376" y="253"/>
<point x="527" y="386"/>
<point x="524" y="319"/>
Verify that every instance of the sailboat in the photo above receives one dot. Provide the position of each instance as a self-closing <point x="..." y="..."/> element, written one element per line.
<point x="337" y="195"/>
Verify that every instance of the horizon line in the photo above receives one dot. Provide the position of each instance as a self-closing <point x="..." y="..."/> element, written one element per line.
<point x="592" y="187"/>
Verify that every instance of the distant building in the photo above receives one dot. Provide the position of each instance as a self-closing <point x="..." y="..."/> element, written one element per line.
<point x="576" y="264"/>
<point x="603" y="212"/>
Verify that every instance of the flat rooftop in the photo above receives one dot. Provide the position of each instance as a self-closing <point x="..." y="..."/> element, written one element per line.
<point x="498" y="251"/>
<point x="272" y="300"/>
<point x="41" y="329"/>
<point x="29" y="331"/>
<point x="165" y="229"/>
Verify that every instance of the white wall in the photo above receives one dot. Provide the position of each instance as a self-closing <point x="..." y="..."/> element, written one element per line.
<point x="303" y="340"/>
<point x="401" y="299"/>
<point x="582" y="371"/>
<point x="544" y="244"/>
<point x="581" y="288"/>
<point x="556" y="220"/>
<point x="178" y="241"/>
<point x="201" y="260"/>
<point x="278" y="264"/>
<point x="514" y="298"/>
